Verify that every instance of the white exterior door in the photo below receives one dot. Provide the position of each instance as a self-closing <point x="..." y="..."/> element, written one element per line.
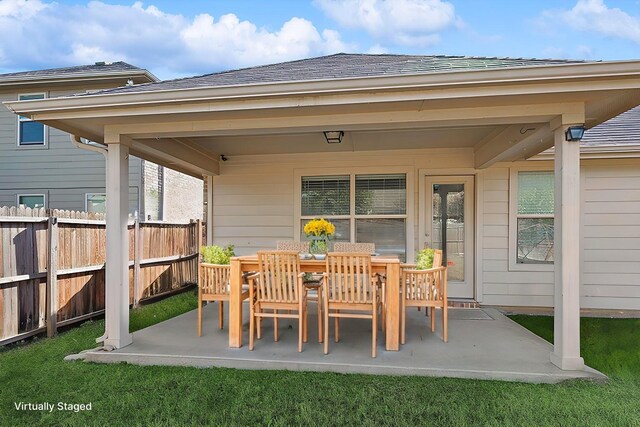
<point x="449" y="226"/>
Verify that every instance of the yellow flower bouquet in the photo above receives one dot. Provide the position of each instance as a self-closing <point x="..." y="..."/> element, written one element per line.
<point x="319" y="231"/>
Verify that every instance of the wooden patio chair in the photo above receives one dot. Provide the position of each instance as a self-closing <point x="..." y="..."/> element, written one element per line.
<point x="290" y="245"/>
<point x="278" y="286"/>
<point x="437" y="262"/>
<point x="367" y="248"/>
<point x="312" y="283"/>
<point x="350" y="287"/>
<point x="424" y="288"/>
<point x="214" y="286"/>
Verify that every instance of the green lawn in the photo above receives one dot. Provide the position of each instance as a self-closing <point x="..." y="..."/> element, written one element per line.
<point x="133" y="395"/>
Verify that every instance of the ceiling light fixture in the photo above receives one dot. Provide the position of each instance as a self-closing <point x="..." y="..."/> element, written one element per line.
<point x="333" y="136"/>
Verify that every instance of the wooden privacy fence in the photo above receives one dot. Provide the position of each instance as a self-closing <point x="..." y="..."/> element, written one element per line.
<point x="52" y="269"/>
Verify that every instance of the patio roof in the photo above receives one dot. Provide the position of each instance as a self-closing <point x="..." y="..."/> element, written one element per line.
<point x="501" y="110"/>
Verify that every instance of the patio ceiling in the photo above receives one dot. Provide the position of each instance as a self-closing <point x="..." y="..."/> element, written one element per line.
<point x="503" y="114"/>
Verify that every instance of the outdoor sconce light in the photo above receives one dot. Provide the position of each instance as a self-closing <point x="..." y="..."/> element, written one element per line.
<point x="333" y="136"/>
<point x="574" y="133"/>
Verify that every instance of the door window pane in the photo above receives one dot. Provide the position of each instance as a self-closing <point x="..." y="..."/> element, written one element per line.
<point x="389" y="235"/>
<point x="535" y="192"/>
<point x="32" y="201"/>
<point x="325" y="195"/>
<point x="381" y="194"/>
<point x="448" y="227"/>
<point x="535" y="240"/>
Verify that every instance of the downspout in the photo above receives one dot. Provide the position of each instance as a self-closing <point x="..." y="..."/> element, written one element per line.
<point x="96" y="148"/>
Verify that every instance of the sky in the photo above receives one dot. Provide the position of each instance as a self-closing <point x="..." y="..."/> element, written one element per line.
<point x="184" y="38"/>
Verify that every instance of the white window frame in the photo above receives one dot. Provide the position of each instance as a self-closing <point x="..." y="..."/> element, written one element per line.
<point x="352" y="217"/>
<point x="44" y="198"/>
<point x="86" y="199"/>
<point x="513" y="218"/>
<point x="45" y="129"/>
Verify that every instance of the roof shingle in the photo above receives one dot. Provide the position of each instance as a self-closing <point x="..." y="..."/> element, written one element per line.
<point x="339" y="66"/>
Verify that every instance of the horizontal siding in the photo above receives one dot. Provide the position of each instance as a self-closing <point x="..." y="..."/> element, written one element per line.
<point x="60" y="170"/>
<point x="253" y="197"/>
<point x="610" y="252"/>
<point x="611" y="237"/>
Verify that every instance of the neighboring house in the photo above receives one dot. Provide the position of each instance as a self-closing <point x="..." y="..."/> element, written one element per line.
<point x="40" y="166"/>
<point x="406" y="152"/>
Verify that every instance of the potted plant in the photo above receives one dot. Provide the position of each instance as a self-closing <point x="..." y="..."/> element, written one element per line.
<point x="217" y="254"/>
<point x="424" y="259"/>
<point x="319" y="231"/>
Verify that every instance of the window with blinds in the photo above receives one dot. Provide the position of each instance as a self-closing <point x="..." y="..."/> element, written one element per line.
<point x="325" y="195"/>
<point x="380" y="212"/>
<point x="381" y="194"/>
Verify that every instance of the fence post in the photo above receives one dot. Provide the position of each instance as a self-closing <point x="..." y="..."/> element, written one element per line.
<point x="52" y="277"/>
<point x="137" y="252"/>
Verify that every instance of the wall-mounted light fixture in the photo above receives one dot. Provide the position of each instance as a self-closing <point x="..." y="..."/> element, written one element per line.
<point x="333" y="136"/>
<point x="574" y="133"/>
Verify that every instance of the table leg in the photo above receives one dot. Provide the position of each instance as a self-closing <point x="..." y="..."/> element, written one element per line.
<point x="393" y="307"/>
<point x="235" y="305"/>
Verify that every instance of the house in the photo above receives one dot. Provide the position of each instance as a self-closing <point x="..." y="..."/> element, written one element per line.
<point x="40" y="167"/>
<point x="404" y="151"/>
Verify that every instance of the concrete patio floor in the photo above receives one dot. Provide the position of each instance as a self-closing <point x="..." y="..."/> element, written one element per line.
<point x="483" y="344"/>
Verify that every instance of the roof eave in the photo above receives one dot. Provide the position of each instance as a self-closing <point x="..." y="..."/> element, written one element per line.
<point x="502" y="76"/>
<point x="71" y="77"/>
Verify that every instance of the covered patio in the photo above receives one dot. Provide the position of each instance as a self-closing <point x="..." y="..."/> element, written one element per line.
<point x="423" y="116"/>
<point x="484" y="344"/>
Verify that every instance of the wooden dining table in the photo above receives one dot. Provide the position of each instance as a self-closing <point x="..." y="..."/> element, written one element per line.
<point x="387" y="265"/>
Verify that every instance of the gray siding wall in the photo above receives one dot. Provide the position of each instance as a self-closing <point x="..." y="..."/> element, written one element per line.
<point x="609" y="240"/>
<point x="61" y="171"/>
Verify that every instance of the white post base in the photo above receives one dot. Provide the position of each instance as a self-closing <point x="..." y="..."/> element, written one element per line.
<point x="568" y="363"/>
<point x="118" y="342"/>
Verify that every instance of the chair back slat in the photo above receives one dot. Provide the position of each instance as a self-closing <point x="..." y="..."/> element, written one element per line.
<point x="279" y="272"/>
<point x="437" y="258"/>
<point x="350" y="278"/>
<point x="214" y="279"/>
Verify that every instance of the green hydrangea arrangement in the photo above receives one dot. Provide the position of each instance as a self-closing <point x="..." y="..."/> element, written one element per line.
<point x="424" y="259"/>
<point x="217" y="254"/>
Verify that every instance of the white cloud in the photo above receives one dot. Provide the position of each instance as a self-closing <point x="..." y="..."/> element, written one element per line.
<point x="20" y="8"/>
<point x="406" y="22"/>
<point x="39" y="34"/>
<point x="596" y="16"/>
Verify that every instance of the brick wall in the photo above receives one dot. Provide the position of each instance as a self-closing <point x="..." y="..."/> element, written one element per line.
<point x="183" y="196"/>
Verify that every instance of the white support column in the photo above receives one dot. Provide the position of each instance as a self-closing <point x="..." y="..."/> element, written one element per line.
<point x="117" y="270"/>
<point x="209" y="179"/>
<point x="566" y="345"/>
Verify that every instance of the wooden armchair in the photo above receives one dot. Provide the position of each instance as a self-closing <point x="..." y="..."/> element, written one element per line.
<point x="351" y="286"/>
<point x="278" y="286"/>
<point x="214" y="286"/>
<point x="424" y="288"/>
<point x="311" y="282"/>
